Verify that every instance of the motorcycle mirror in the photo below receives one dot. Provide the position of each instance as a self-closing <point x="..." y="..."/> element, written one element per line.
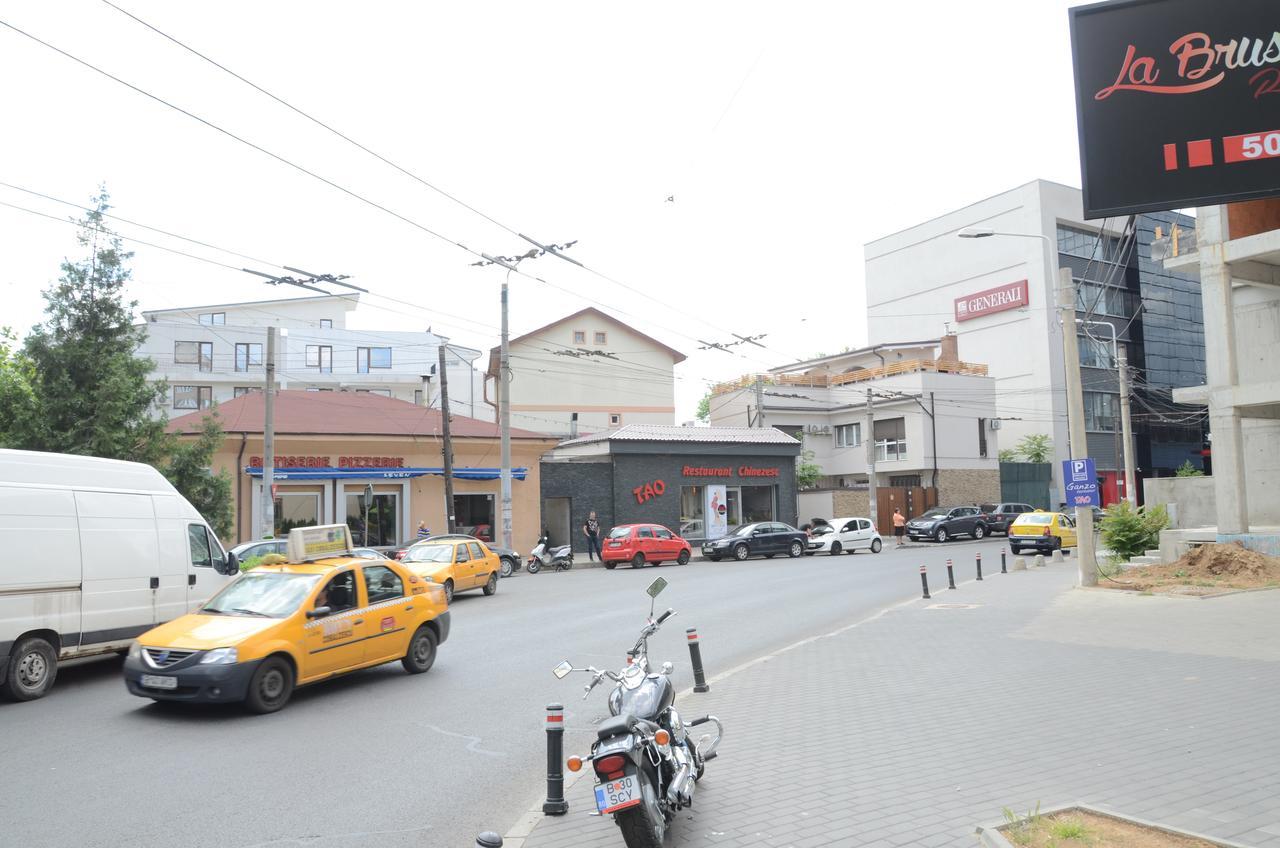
<point x="562" y="670"/>
<point x="656" y="587"/>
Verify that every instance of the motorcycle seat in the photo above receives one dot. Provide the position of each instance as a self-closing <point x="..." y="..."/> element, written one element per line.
<point x="618" y="725"/>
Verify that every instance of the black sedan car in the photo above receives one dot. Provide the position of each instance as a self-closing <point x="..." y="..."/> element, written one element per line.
<point x="943" y="524"/>
<point x="764" y="538"/>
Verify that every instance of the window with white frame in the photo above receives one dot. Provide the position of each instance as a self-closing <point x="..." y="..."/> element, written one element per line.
<point x="326" y="323"/>
<point x="579" y="336"/>
<point x="848" y="435"/>
<point x="248" y="354"/>
<point x="891" y="439"/>
<point x="615" y="419"/>
<point x="601" y="338"/>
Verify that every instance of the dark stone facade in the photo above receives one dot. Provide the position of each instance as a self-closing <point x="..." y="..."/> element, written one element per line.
<point x="608" y="486"/>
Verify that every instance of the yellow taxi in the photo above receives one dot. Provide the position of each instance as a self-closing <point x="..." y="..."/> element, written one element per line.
<point x="277" y="627"/>
<point x="1042" y="531"/>
<point x="456" y="564"/>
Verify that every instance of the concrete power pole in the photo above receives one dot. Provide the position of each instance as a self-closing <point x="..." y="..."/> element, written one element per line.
<point x="268" y="526"/>
<point x="759" y="402"/>
<point x="869" y="436"/>
<point x="1088" y="566"/>
<point x="1122" y="363"/>
<point x="448" y="443"/>
<point x="504" y="416"/>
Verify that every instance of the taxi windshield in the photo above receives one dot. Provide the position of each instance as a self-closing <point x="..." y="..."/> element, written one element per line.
<point x="430" y="553"/>
<point x="267" y="594"/>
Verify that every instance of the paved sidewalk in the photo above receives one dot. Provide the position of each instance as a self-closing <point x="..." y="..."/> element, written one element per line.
<point x="916" y="726"/>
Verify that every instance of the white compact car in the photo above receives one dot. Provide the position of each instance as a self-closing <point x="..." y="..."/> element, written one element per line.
<point x="845" y="535"/>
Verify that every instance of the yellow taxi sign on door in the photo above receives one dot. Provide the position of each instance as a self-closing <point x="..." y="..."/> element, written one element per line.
<point x="324" y="540"/>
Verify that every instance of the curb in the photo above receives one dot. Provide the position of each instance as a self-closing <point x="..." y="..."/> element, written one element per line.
<point x="989" y="835"/>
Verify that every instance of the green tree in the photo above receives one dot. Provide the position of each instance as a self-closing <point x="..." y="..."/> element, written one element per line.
<point x="17" y="394"/>
<point x="704" y="409"/>
<point x="1186" y="469"/>
<point x="1035" y="447"/>
<point x="188" y="468"/>
<point x="93" y="395"/>
<point x="808" y="472"/>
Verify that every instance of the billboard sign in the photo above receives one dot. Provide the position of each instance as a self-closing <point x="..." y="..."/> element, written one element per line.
<point x="1080" y="479"/>
<point x="1177" y="103"/>
<point x="1010" y="296"/>
<point x="716" y="510"/>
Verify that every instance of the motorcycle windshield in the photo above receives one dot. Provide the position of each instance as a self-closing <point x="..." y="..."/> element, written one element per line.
<point x="644" y="701"/>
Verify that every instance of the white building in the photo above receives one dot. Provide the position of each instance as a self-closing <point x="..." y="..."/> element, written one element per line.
<point x="586" y="373"/>
<point x="215" y="353"/>
<point x="934" y="425"/>
<point x="999" y="294"/>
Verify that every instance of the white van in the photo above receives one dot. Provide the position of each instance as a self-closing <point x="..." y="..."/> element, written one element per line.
<point x="93" y="552"/>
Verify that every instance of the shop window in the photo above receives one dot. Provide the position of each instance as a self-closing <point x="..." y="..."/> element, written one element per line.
<point x="296" y="509"/>
<point x="579" y="336"/>
<point x="757" y="504"/>
<point x="692" y="512"/>
<point x="473" y="515"/>
<point x="375" y="522"/>
<point x="848" y="435"/>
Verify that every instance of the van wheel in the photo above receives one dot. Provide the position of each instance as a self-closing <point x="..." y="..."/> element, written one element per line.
<point x="271" y="686"/>
<point x="32" y="669"/>
<point x="491" y="587"/>
<point x="422" y="651"/>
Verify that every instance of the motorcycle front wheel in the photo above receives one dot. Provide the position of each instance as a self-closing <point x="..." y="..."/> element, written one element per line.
<point x="534" y="567"/>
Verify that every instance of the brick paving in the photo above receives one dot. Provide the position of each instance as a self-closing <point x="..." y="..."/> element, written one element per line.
<point x="916" y="726"/>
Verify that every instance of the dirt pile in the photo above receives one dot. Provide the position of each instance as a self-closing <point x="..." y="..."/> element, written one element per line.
<point x="1231" y="559"/>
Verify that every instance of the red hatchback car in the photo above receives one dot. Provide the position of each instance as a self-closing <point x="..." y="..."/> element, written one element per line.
<point x="641" y="544"/>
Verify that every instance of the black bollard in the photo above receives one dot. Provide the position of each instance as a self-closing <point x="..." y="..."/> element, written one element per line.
<point x="488" y="839"/>
<point x="1003" y="570"/>
<point x="951" y="576"/>
<point x="924" y="582"/>
<point x="979" y="566"/>
<point x="555" y="804"/>
<point x="695" y="656"/>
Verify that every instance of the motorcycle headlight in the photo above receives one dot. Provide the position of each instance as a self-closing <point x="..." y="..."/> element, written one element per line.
<point x="135" y="650"/>
<point x="220" y="656"/>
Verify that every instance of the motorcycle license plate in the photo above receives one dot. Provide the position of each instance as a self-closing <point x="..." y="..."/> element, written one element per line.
<point x="614" y="795"/>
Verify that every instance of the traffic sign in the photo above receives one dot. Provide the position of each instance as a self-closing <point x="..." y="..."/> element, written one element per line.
<point x="1080" y="479"/>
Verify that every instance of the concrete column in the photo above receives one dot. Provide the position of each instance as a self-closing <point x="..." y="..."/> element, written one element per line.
<point x="1221" y="371"/>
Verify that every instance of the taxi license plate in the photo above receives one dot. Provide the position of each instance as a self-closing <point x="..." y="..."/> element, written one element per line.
<point x="155" y="681"/>
<point x="617" y="794"/>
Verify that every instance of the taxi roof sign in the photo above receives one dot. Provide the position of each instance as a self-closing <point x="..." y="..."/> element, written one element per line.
<point x="324" y="540"/>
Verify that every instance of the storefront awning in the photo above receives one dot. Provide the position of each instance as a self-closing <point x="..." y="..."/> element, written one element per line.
<point x="382" y="473"/>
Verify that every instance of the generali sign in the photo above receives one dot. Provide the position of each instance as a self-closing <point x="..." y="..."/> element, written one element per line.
<point x="1011" y="296"/>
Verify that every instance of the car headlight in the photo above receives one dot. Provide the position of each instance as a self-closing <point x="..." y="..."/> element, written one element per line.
<point x="135" y="650"/>
<point x="220" y="656"/>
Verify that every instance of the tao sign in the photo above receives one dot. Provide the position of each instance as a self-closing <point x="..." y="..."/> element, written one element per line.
<point x="649" y="491"/>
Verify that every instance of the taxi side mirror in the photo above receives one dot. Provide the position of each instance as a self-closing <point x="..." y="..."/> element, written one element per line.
<point x="318" y="612"/>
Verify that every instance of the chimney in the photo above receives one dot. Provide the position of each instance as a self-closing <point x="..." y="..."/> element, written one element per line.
<point x="426" y="390"/>
<point x="949" y="350"/>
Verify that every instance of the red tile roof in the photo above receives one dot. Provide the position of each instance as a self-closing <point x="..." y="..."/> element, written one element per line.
<point x="300" y="412"/>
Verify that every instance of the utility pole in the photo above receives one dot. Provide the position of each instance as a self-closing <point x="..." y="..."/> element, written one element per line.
<point x="759" y="401"/>
<point x="1130" y="493"/>
<point x="870" y="438"/>
<point x="268" y="527"/>
<point x="448" y="442"/>
<point x="1088" y="566"/>
<point x="504" y="416"/>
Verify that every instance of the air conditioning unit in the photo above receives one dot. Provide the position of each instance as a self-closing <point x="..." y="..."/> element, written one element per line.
<point x="812" y="429"/>
<point x="993" y="423"/>
<point x="826" y="430"/>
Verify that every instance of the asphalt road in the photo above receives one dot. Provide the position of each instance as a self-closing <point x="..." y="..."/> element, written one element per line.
<point x="388" y="759"/>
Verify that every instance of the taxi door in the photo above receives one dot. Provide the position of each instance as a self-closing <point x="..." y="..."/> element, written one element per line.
<point x="335" y="643"/>
<point x="389" y="613"/>
<point x="464" y="570"/>
<point x="485" y="562"/>
<point x="1067" y="530"/>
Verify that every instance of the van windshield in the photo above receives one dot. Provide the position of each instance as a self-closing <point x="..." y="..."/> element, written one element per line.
<point x="269" y="594"/>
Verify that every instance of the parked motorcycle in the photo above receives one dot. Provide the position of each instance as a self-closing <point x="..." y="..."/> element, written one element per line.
<point x="645" y="764"/>
<point x="560" y="558"/>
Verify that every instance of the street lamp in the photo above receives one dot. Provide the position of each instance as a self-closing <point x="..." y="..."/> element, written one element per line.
<point x="1088" y="569"/>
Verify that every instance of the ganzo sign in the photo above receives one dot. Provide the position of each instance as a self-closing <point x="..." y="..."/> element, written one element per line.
<point x="1011" y="296"/>
<point x="1178" y="103"/>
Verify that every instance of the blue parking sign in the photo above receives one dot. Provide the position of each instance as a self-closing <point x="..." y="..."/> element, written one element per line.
<point x="1080" y="479"/>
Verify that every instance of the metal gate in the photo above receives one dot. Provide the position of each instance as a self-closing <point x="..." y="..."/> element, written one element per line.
<point x="912" y="500"/>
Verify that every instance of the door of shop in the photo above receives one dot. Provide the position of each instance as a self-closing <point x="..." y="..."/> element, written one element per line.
<point x="555" y="515"/>
<point x="912" y="500"/>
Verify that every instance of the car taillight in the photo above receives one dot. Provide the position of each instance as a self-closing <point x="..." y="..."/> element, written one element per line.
<point x="611" y="766"/>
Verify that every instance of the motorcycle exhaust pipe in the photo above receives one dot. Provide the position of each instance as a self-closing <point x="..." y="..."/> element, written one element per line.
<point x="678" y="790"/>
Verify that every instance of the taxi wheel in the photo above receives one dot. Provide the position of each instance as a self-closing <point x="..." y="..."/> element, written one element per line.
<point x="271" y="686"/>
<point x="422" y="651"/>
<point x="448" y="591"/>
<point x="492" y="585"/>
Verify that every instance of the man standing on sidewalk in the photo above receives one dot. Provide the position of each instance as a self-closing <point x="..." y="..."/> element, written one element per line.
<point x="591" y="529"/>
<point x="899" y="526"/>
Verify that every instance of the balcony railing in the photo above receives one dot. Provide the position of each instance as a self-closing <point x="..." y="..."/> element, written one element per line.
<point x="824" y="381"/>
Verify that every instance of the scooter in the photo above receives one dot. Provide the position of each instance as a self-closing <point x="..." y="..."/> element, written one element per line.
<point x="645" y="760"/>
<point x="560" y="558"/>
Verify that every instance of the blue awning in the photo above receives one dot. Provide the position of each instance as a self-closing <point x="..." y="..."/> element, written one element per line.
<point x="383" y="473"/>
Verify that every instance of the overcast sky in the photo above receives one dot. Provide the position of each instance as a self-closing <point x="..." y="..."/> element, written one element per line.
<point x="789" y="134"/>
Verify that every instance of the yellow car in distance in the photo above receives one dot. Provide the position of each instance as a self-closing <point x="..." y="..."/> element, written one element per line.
<point x="1042" y="531"/>
<point x="456" y="564"/>
<point x="277" y="627"/>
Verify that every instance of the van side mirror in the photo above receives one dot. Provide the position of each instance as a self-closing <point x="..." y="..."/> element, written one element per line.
<point x="231" y="565"/>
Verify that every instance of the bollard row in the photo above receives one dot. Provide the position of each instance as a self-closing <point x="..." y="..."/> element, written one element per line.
<point x="1019" y="564"/>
